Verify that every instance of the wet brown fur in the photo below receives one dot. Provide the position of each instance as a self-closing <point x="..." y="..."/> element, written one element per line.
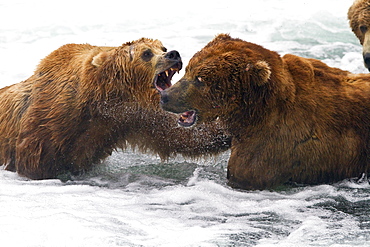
<point x="359" y="15"/>
<point x="85" y="101"/>
<point x="292" y="119"/>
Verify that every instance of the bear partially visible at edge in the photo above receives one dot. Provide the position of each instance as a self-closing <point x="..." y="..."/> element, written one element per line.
<point x="359" y="20"/>
<point x="292" y="119"/>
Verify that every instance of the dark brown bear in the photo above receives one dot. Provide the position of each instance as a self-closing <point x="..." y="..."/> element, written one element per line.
<point x="292" y="119"/>
<point x="85" y="101"/>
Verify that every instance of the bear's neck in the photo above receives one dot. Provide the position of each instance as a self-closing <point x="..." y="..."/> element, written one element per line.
<point x="263" y="108"/>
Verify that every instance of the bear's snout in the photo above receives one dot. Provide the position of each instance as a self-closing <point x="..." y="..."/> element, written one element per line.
<point x="174" y="99"/>
<point x="164" y="97"/>
<point x="367" y="60"/>
<point x="173" y="55"/>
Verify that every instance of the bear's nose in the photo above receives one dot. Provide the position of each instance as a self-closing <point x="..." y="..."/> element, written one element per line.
<point x="173" y="55"/>
<point x="367" y="60"/>
<point x="164" y="97"/>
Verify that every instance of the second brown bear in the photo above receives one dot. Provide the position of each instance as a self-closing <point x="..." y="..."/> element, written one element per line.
<point x="292" y="119"/>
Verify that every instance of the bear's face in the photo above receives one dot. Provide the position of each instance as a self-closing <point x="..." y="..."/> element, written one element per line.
<point x="359" y="19"/>
<point x="136" y="70"/>
<point x="218" y="81"/>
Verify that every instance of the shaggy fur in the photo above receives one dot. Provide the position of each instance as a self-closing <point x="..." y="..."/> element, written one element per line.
<point x="359" y="20"/>
<point x="292" y="119"/>
<point x="84" y="101"/>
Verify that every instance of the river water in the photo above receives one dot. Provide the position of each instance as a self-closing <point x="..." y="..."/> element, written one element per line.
<point x="134" y="199"/>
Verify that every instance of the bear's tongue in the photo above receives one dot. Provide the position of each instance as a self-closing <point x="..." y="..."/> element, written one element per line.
<point x="187" y="119"/>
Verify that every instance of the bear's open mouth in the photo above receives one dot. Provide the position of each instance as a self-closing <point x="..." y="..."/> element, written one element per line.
<point x="187" y="118"/>
<point x="163" y="79"/>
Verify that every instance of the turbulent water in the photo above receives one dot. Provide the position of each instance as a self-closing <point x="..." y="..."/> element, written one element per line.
<point x="134" y="199"/>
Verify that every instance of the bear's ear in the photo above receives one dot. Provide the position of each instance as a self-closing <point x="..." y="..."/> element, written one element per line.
<point x="99" y="59"/>
<point x="223" y="37"/>
<point x="260" y="72"/>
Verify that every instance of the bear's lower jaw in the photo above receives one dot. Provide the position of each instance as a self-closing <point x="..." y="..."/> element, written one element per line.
<point x="187" y="118"/>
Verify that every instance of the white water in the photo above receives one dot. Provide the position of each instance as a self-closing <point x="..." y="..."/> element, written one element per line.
<point x="135" y="200"/>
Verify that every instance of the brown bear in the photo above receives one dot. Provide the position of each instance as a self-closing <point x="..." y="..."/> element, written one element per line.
<point x="359" y="20"/>
<point x="292" y="120"/>
<point x="84" y="101"/>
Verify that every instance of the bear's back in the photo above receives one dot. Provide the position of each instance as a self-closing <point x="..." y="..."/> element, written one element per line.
<point x="68" y="56"/>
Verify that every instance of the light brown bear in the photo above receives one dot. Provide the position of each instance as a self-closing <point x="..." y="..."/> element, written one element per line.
<point x="292" y="119"/>
<point x="359" y="20"/>
<point x="85" y="101"/>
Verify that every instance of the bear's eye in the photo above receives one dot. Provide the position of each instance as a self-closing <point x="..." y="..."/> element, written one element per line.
<point x="363" y="29"/>
<point x="199" y="80"/>
<point x="147" y="55"/>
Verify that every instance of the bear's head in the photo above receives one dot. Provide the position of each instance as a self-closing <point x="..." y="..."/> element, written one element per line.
<point x="227" y="78"/>
<point x="359" y="20"/>
<point x="134" y="72"/>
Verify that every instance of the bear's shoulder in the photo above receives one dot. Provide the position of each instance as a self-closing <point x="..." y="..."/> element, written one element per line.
<point x="312" y="70"/>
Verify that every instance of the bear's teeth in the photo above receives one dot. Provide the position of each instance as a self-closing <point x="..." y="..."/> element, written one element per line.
<point x="166" y="73"/>
<point x="175" y="69"/>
